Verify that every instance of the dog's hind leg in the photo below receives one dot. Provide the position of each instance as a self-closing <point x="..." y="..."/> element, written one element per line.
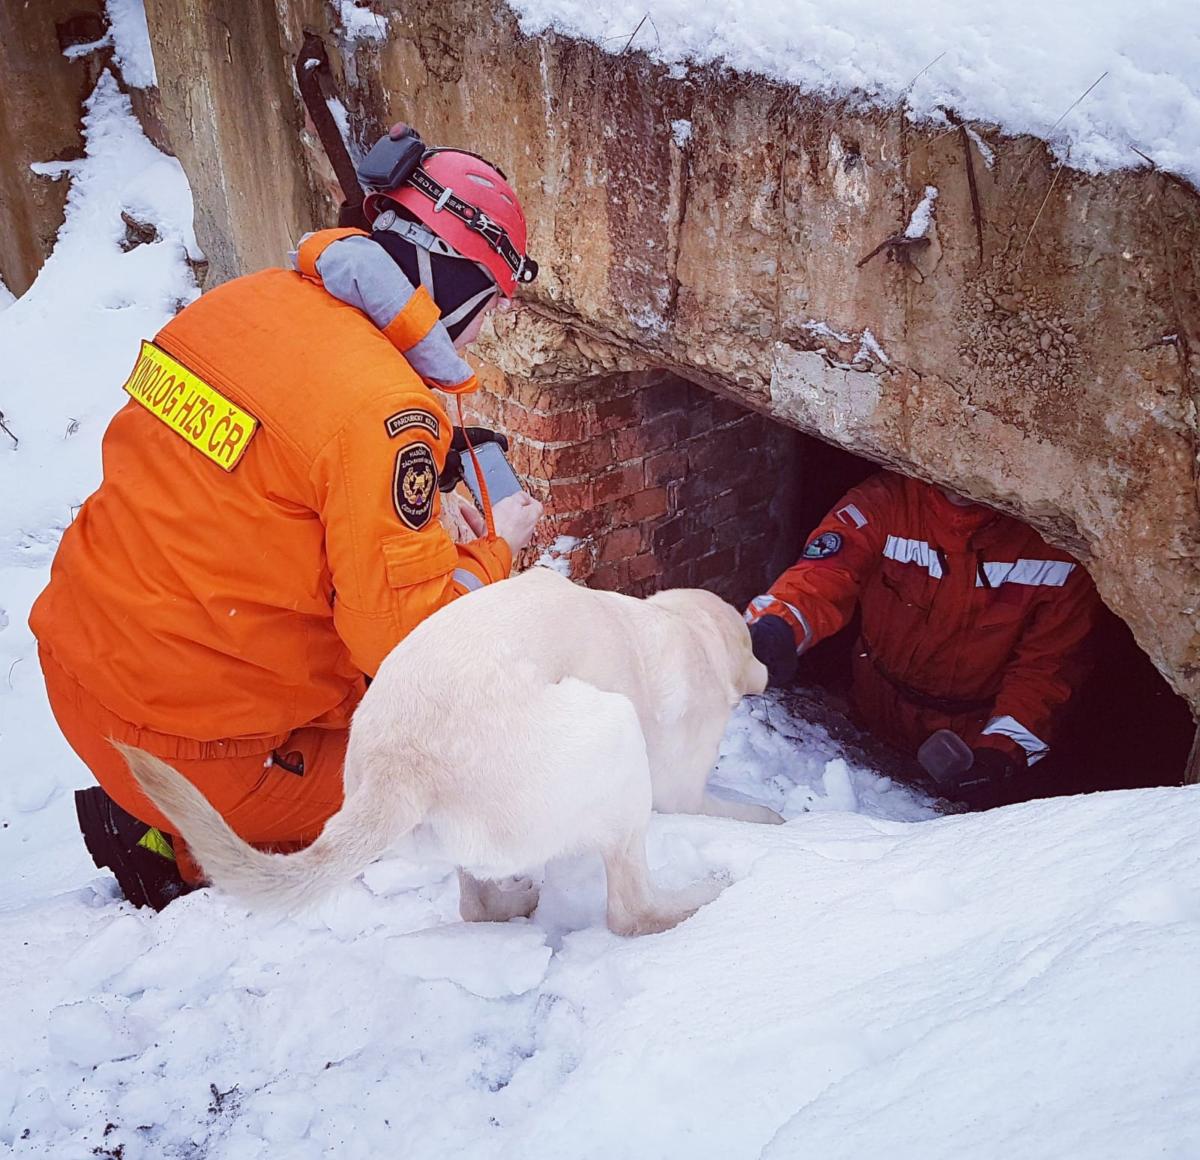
<point x="715" y="807"/>
<point x="485" y="900"/>
<point x="634" y="905"/>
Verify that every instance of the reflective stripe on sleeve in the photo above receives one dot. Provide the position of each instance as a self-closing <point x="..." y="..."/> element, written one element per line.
<point x="467" y="579"/>
<point x="762" y="606"/>
<point x="1035" y="748"/>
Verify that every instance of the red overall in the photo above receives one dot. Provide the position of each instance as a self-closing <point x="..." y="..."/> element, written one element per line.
<point x="970" y="620"/>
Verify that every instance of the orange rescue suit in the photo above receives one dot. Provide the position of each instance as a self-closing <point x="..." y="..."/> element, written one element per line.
<point x="970" y="620"/>
<point x="191" y="602"/>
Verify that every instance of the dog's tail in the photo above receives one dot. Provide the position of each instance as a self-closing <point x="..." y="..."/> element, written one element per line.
<point x="357" y="834"/>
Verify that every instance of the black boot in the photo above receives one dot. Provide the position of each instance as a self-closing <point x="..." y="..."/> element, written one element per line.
<point x="140" y="857"/>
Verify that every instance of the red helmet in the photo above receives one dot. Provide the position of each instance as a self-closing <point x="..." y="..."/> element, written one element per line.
<point x="468" y="203"/>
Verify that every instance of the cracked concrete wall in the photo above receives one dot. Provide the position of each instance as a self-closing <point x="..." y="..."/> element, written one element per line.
<point x="1041" y="354"/>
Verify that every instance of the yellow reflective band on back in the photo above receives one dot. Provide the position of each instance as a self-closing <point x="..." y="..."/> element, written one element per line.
<point x="156" y="842"/>
<point x="216" y="427"/>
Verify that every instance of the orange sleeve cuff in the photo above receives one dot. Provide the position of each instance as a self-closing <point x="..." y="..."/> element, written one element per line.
<point x="316" y="244"/>
<point x="418" y="317"/>
<point x="490" y="558"/>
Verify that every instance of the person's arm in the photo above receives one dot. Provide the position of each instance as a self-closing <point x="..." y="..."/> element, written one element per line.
<point x="391" y="563"/>
<point x="1045" y="669"/>
<point x="817" y="595"/>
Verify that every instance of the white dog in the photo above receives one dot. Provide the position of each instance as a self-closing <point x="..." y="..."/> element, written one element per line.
<point x="531" y="719"/>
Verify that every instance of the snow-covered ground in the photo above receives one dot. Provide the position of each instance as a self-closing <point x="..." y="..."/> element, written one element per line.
<point x="1028" y="66"/>
<point x="873" y="981"/>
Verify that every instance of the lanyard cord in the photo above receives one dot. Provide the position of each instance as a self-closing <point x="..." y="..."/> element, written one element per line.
<point x="483" y="491"/>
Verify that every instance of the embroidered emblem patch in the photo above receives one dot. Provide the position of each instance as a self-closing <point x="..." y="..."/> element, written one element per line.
<point x="413" y="417"/>
<point x="823" y="546"/>
<point x="414" y="485"/>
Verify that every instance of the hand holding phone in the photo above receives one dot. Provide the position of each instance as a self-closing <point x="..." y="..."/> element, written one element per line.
<point x="515" y="517"/>
<point x="497" y="474"/>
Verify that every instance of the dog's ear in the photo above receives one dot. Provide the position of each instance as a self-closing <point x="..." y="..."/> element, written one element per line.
<point x="723" y="634"/>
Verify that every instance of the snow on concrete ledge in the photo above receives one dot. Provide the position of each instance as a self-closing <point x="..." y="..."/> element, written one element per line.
<point x="1025" y="65"/>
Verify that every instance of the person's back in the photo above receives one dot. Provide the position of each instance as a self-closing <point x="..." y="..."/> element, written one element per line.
<point x="215" y="581"/>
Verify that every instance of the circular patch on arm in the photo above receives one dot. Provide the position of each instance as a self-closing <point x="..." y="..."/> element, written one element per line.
<point x="414" y="485"/>
<point x="823" y="546"/>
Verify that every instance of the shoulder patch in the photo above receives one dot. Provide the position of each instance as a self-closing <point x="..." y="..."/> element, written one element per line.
<point x="823" y="546"/>
<point x="192" y="408"/>
<point x="413" y="417"/>
<point x="414" y="485"/>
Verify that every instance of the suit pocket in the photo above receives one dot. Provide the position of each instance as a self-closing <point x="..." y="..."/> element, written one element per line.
<point x="909" y="591"/>
<point x="418" y="556"/>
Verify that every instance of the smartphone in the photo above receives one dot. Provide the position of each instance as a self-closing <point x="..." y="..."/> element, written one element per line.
<point x="500" y="478"/>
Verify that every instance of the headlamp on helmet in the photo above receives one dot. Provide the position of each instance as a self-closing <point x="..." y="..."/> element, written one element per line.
<point x="458" y="195"/>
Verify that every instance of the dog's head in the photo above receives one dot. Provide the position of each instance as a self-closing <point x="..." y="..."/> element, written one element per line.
<point x="722" y="625"/>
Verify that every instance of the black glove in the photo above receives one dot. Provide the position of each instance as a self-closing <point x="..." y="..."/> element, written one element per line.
<point x="989" y="781"/>
<point x="775" y="645"/>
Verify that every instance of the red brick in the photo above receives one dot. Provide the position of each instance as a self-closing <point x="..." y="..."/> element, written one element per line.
<point x="723" y="507"/>
<point x="525" y="459"/>
<point x="557" y="427"/>
<point x="570" y="497"/>
<point x="621" y="544"/>
<point x="680" y="575"/>
<point x="758" y="521"/>
<point x="616" y="413"/>
<point x="691" y="547"/>
<point x="581" y="561"/>
<point x="578" y="524"/>
<point x="665" y="466"/>
<point x="590" y="457"/>
<point x="710" y="451"/>
<point x="617" y="484"/>
<point x="695" y="518"/>
<point x="669" y="394"/>
<point x="700" y="415"/>
<point x="643" y="567"/>
<point x="650" y="436"/>
<point x="716" y="565"/>
<point x="644" y="505"/>
<point x="668" y="532"/>
<point x="736" y="471"/>
<point x="755" y="558"/>
<point x="726" y="411"/>
<point x="695" y="491"/>
<point x="756" y="436"/>
<point x="547" y="399"/>
<point x="730" y="534"/>
<point x="609" y="577"/>
<point x="482" y="408"/>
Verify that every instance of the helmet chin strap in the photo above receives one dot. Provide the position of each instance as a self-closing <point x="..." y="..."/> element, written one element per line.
<point x="425" y="267"/>
<point x="471" y="304"/>
<point x="426" y="242"/>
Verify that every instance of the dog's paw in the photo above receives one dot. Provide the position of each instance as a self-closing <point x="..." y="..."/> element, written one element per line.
<point x="653" y="921"/>
<point x="670" y="908"/>
<point x="767" y="816"/>
<point x="487" y="900"/>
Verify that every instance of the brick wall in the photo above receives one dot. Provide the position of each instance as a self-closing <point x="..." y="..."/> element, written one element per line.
<point x="649" y="481"/>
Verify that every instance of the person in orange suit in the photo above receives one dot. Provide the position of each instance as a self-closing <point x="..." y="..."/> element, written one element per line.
<point x="267" y="526"/>
<point x="971" y="623"/>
